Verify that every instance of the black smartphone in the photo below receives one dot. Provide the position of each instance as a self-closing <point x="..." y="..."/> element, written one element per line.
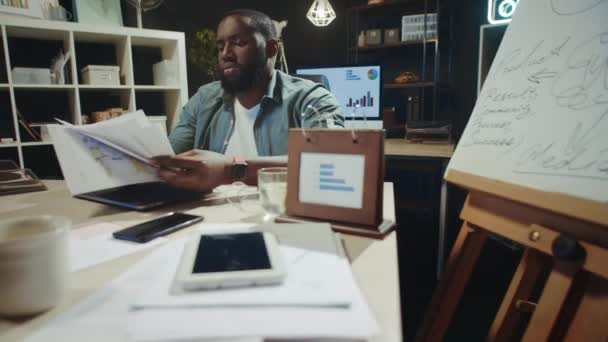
<point x="159" y="226"/>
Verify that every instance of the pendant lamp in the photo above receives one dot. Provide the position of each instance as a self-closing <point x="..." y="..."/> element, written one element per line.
<point x="321" y="13"/>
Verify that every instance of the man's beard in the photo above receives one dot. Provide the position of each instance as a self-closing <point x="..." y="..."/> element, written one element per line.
<point x="249" y="75"/>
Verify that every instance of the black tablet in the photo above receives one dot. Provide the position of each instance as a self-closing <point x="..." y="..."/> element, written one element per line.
<point x="140" y="196"/>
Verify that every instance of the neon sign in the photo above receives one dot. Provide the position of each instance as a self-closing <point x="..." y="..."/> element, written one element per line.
<point x="501" y="11"/>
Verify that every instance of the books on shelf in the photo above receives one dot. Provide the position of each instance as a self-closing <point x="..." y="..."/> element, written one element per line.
<point x="25" y="124"/>
<point x="17" y="181"/>
<point x="429" y="131"/>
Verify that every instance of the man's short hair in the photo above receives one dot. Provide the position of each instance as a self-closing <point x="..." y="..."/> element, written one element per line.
<point x="259" y="22"/>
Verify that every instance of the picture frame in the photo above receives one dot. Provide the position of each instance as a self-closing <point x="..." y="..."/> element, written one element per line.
<point x="26" y="8"/>
<point x="98" y="12"/>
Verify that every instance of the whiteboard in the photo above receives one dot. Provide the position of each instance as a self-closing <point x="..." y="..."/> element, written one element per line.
<point x="541" y="119"/>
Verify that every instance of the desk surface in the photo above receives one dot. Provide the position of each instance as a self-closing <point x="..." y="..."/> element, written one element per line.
<point x="403" y="148"/>
<point x="374" y="263"/>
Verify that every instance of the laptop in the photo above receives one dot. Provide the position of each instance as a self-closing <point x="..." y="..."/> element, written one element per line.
<point x="140" y="196"/>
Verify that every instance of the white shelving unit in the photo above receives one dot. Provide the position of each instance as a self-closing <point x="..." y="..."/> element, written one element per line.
<point x="33" y="43"/>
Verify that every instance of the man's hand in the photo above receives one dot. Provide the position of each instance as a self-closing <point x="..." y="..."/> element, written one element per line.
<point x="195" y="170"/>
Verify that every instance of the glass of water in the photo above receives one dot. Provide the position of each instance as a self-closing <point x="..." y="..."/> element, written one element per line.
<point x="272" y="183"/>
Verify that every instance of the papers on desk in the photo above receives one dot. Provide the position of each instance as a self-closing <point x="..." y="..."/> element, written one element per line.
<point x="109" y="154"/>
<point x="108" y="314"/>
<point x="314" y="279"/>
<point x="94" y="245"/>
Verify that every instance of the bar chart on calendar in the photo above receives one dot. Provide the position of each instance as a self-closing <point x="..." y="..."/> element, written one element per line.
<point x="332" y="179"/>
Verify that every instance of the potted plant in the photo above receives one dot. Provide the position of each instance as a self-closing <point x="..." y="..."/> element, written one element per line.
<point x="202" y="54"/>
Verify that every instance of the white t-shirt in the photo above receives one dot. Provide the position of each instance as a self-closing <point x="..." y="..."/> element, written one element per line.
<point x="242" y="141"/>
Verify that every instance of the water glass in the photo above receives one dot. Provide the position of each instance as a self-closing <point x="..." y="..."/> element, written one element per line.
<point x="272" y="184"/>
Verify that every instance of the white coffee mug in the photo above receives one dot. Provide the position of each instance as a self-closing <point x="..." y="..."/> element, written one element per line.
<point x="33" y="264"/>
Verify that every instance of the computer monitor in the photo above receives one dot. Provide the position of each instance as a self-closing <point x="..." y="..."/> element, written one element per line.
<point x="357" y="88"/>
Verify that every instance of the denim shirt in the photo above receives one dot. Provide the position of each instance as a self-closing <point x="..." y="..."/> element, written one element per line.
<point x="207" y="120"/>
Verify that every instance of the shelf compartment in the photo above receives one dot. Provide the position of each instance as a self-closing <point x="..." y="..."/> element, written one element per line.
<point x="8" y="145"/>
<point x="37" y="143"/>
<point x="149" y="51"/>
<point x="7" y="123"/>
<point x="3" y="65"/>
<point x="50" y="87"/>
<point x="42" y="160"/>
<point x="8" y="152"/>
<point x="45" y="44"/>
<point x="98" y="99"/>
<point x="43" y="106"/>
<point x="395" y="45"/>
<point x="103" y="49"/>
<point x="389" y="5"/>
<point x="408" y="85"/>
<point x="88" y="87"/>
<point x="159" y="103"/>
<point x="154" y="88"/>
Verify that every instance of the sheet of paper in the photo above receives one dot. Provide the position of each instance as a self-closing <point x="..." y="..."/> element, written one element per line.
<point x="106" y="316"/>
<point x="95" y="245"/>
<point x="131" y="133"/>
<point x="332" y="179"/>
<point x="89" y="165"/>
<point x="314" y="279"/>
<point x="541" y="118"/>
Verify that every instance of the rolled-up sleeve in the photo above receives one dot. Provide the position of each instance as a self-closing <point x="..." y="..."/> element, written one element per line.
<point x="320" y="109"/>
<point x="182" y="136"/>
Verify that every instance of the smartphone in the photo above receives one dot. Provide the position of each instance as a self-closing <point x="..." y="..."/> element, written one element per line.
<point x="159" y="226"/>
<point x="212" y="261"/>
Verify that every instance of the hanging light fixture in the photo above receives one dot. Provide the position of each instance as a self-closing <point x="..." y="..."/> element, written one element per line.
<point x="321" y="13"/>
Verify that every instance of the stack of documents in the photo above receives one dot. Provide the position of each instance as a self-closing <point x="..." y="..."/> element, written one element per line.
<point x="319" y="299"/>
<point x="109" y="154"/>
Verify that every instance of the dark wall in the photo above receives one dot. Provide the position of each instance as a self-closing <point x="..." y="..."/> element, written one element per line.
<point x="467" y="17"/>
<point x="305" y="44"/>
<point x="308" y="45"/>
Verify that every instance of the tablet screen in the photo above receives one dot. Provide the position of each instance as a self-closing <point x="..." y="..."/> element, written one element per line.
<point x="231" y="252"/>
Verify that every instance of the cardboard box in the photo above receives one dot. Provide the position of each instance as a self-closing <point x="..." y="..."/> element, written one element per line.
<point x="373" y="37"/>
<point x="31" y="75"/>
<point x="101" y="75"/>
<point x="391" y="36"/>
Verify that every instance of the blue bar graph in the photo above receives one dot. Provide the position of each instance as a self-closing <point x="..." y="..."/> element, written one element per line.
<point x="337" y="188"/>
<point x="332" y="180"/>
<point x="332" y="184"/>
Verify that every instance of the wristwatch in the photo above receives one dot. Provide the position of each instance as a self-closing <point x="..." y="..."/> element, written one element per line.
<point x="239" y="169"/>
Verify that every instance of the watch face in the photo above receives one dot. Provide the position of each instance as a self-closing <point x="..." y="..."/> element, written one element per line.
<point x="239" y="170"/>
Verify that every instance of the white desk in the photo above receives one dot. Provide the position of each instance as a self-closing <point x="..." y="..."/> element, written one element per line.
<point x="374" y="262"/>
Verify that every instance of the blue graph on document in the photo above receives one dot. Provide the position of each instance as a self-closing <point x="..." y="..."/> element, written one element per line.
<point x="329" y="182"/>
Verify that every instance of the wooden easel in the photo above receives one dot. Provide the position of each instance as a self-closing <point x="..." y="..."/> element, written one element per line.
<point x="570" y="232"/>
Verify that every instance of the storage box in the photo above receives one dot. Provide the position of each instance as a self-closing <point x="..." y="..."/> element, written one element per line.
<point x="100" y="75"/>
<point x="373" y="37"/>
<point x="31" y="75"/>
<point x="165" y="73"/>
<point x="391" y="36"/>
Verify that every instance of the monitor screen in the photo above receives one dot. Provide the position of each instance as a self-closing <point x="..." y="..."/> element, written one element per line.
<point x="357" y="88"/>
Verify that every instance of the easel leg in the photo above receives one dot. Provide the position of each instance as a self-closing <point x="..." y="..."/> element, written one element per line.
<point x="521" y="287"/>
<point x="551" y="301"/>
<point x="460" y="265"/>
<point x="587" y="324"/>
